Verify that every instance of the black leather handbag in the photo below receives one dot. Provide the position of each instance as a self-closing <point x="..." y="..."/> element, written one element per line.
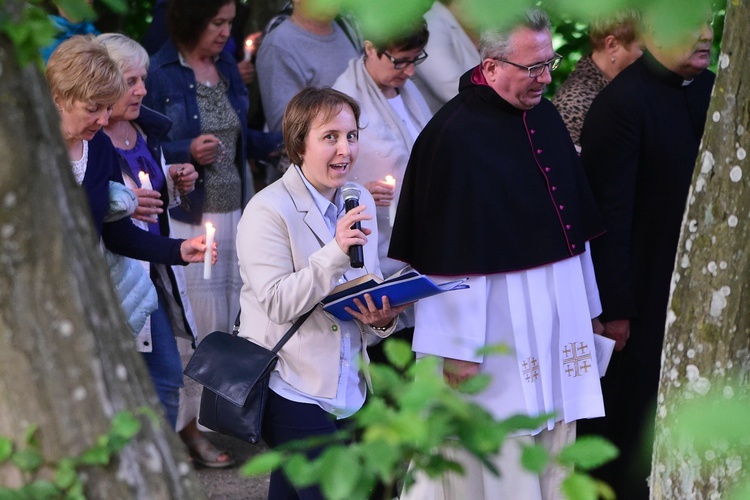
<point x="234" y="373"/>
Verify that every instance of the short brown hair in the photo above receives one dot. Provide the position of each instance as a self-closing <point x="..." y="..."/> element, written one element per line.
<point x="623" y="25"/>
<point x="310" y="104"/>
<point x="80" y="69"/>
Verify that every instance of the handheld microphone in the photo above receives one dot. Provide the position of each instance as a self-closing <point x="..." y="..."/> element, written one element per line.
<point x="350" y="193"/>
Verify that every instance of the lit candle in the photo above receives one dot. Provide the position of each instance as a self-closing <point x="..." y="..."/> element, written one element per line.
<point x="210" y="232"/>
<point x="391" y="181"/>
<point x="248" y="48"/>
<point x="145" y="181"/>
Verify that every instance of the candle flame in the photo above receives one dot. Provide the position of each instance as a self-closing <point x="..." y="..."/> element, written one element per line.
<point x="209" y="226"/>
<point x="389" y="179"/>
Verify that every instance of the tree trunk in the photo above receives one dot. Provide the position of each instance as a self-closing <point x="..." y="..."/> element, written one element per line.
<point x="68" y="361"/>
<point x="707" y="337"/>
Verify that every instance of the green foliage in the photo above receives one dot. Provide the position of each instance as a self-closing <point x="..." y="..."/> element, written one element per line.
<point x="710" y="431"/>
<point x="580" y="487"/>
<point x="588" y="452"/>
<point x="65" y="482"/>
<point x="32" y="29"/>
<point x="28" y="33"/>
<point x="411" y="420"/>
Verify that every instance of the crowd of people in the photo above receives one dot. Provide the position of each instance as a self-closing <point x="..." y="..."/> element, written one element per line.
<point x="563" y="213"/>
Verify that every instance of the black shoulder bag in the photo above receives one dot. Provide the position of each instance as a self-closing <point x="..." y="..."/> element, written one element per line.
<point x="235" y="373"/>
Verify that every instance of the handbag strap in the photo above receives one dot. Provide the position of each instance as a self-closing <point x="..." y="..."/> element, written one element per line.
<point x="287" y="335"/>
<point x="291" y="331"/>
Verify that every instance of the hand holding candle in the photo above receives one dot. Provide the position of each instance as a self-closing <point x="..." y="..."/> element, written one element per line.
<point x="391" y="181"/>
<point x="210" y="233"/>
<point x="145" y="180"/>
<point x="249" y="43"/>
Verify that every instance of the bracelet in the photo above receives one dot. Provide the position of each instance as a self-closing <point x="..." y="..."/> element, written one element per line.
<point x="384" y="328"/>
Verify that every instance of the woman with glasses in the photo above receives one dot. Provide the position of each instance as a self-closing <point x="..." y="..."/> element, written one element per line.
<point x="393" y="114"/>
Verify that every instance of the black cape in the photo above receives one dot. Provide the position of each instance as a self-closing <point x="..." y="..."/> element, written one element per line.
<point x="490" y="188"/>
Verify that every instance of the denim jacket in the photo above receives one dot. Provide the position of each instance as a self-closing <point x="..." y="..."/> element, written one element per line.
<point x="172" y="92"/>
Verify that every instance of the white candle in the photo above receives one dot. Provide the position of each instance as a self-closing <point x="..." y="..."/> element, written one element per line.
<point x="210" y="232"/>
<point x="248" y="48"/>
<point x="391" y="181"/>
<point x="145" y="181"/>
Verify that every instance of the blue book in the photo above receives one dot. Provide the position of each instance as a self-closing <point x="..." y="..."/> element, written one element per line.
<point x="403" y="287"/>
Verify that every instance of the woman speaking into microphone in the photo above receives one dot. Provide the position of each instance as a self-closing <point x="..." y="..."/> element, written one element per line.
<point x="293" y="243"/>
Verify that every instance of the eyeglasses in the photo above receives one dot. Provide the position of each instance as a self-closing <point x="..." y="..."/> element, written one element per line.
<point x="405" y="63"/>
<point x="537" y="70"/>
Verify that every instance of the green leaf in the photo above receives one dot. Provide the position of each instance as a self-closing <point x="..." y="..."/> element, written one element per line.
<point x="301" y="471"/>
<point x="340" y="471"/>
<point x="117" y="6"/>
<point x="122" y="430"/>
<point x="436" y="464"/>
<point x="29" y="435"/>
<point x="6" y="448"/>
<point x="41" y="490"/>
<point x="475" y="384"/>
<point x="398" y="352"/>
<point x="75" y="492"/>
<point x="77" y="10"/>
<point x="728" y="419"/>
<point x="65" y="474"/>
<point x="588" y="452"/>
<point x="264" y="463"/>
<point x="98" y="455"/>
<point x="524" y="422"/>
<point x="534" y="458"/>
<point x="579" y="486"/>
<point x="10" y="494"/>
<point x="381" y="458"/>
<point x="493" y="350"/>
<point x="125" y="425"/>
<point x="27" y="460"/>
<point x="605" y="491"/>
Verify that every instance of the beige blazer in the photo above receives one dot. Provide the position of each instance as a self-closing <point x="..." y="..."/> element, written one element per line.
<point x="288" y="263"/>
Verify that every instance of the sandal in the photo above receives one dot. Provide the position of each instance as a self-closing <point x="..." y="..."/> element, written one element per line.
<point x="204" y="453"/>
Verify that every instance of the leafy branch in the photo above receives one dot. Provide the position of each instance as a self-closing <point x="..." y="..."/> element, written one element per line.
<point x="65" y="481"/>
<point x="407" y="425"/>
<point x="29" y="28"/>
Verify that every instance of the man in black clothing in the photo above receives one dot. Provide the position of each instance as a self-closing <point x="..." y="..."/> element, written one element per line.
<point x="640" y="140"/>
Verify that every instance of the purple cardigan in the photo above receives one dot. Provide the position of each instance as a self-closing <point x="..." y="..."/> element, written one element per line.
<point x="121" y="236"/>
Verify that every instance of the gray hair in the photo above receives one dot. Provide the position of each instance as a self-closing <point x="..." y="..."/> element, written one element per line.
<point x="495" y="43"/>
<point x="126" y="52"/>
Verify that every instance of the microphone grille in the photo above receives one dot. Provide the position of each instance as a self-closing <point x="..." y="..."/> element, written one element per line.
<point x="350" y="192"/>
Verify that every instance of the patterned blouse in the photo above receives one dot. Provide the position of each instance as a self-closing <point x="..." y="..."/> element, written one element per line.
<point x="575" y="95"/>
<point x="222" y="178"/>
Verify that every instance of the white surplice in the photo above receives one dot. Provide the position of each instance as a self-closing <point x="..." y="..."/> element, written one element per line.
<point x="544" y="316"/>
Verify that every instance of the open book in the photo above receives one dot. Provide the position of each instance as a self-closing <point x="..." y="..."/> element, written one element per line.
<point x="407" y="285"/>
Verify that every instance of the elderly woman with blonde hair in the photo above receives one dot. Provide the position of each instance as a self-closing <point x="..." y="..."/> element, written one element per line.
<point x="615" y="44"/>
<point x="86" y="85"/>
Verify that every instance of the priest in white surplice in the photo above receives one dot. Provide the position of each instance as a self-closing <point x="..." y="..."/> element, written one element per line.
<point x="494" y="190"/>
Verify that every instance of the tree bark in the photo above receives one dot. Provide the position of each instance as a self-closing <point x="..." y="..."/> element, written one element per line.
<point x="707" y="337"/>
<point x="68" y="361"/>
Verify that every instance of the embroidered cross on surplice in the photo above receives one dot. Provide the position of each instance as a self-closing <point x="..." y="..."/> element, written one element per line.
<point x="576" y="359"/>
<point x="530" y="368"/>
